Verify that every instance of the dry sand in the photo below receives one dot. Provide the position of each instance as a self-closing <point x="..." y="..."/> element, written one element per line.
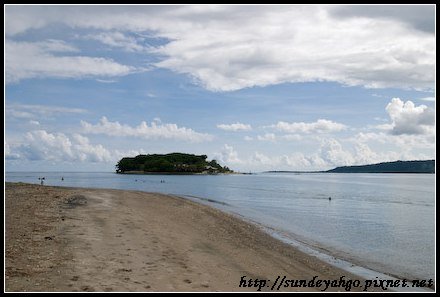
<point x="72" y="239"/>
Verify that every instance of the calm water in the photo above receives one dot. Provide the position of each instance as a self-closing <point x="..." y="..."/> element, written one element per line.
<point x="385" y="222"/>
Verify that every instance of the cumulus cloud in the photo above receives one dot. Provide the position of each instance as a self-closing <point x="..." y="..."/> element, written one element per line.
<point x="24" y="60"/>
<point x="235" y="127"/>
<point x="320" y="126"/>
<point x="410" y="119"/>
<point x="9" y="155"/>
<point x="155" y="130"/>
<point x="227" y="155"/>
<point x="42" y="145"/>
<point x="223" y="49"/>
<point x="267" y="137"/>
<point x="408" y="141"/>
<point x="294" y="161"/>
<point x="331" y="152"/>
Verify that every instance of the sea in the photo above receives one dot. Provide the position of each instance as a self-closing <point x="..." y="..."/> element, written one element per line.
<point x="381" y="223"/>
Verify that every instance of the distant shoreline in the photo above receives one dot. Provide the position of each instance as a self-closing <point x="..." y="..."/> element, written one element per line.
<point x="299" y="172"/>
<point x="418" y="166"/>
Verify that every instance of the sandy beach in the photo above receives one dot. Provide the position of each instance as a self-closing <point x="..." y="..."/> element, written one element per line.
<point x="74" y="240"/>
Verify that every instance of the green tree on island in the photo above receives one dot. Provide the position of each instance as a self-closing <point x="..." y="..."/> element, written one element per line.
<point x="170" y="163"/>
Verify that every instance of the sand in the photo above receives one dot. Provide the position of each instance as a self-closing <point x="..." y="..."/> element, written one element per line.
<point x="75" y="240"/>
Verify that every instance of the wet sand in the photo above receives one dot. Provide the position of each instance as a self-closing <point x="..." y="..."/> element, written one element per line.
<point x="74" y="240"/>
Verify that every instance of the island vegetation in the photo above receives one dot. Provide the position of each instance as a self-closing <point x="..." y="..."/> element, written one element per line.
<point x="174" y="163"/>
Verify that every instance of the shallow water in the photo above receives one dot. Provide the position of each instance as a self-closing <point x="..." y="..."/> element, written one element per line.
<point x="385" y="222"/>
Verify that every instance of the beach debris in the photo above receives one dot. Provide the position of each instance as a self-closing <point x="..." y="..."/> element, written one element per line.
<point x="48" y="238"/>
<point x="76" y="200"/>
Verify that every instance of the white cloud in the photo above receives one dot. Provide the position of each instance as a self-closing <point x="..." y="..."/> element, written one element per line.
<point x="288" y="46"/>
<point x="24" y="60"/>
<point x="429" y="99"/>
<point x="385" y="127"/>
<point x="364" y="155"/>
<point x="408" y="141"/>
<point x="227" y="155"/>
<point x="293" y="137"/>
<point x="118" y="40"/>
<point x="227" y="48"/>
<point x="118" y="154"/>
<point x="106" y="81"/>
<point x="235" y="127"/>
<point x="410" y="119"/>
<point x="295" y="161"/>
<point x="36" y="123"/>
<point x="155" y="130"/>
<point x="33" y="110"/>
<point x="92" y="153"/>
<point x="332" y="153"/>
<point x="267" y="137"/>
<point x="273" y="137"/>
<point x="320" y="126"/>
<point x="58" y="147"/>
<point x="9" y="155"/>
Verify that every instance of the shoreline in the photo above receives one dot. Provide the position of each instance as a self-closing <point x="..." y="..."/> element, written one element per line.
<point x="82" y="239"/>
<point x="348" y="265"/>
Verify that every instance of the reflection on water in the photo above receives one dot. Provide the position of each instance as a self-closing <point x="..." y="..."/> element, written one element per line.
<point x="381" y="221"/>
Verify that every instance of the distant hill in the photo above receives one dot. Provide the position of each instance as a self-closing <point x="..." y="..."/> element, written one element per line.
<point x="174" y="163"/>
<point x="427" y="166"/>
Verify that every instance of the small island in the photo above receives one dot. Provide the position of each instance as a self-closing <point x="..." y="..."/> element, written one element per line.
<point x="174" y="163"/>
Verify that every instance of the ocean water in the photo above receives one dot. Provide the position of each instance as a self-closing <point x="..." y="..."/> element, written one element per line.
<point x="384" y="222"/>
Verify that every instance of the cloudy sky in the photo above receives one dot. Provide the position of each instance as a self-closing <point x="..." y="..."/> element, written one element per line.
<point x="256" y="87"/>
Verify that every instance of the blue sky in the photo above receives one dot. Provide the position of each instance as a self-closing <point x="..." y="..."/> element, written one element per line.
<point x="255" y="87"/>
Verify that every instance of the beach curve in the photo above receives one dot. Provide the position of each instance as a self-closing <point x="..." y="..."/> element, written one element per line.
<point x="75" y="239"/>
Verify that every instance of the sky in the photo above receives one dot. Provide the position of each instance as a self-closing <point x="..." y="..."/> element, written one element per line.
<point x="256" y="87"/>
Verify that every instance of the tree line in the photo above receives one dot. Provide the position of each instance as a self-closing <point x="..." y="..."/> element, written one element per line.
<point x="170" y="163"/>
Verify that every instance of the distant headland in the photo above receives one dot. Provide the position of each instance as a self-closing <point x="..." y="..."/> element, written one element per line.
<point x="174" y="163"/>
<point x="424" y="166"/>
